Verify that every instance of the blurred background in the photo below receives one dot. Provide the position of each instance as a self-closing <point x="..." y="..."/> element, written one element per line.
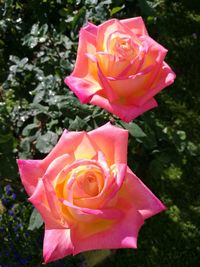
<point x="38" y="45"/>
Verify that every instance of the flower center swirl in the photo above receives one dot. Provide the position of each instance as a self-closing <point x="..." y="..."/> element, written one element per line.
<point x="122" y="46"/>
<point x="85" y="184"/>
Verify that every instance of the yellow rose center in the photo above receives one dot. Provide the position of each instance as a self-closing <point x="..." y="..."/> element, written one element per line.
<point x="81" y="182"/>
<point x="122" y="47"/>
<point x="87" y="182"/>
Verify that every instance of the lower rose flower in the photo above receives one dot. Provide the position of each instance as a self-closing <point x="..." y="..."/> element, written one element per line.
<point x="86" y="194"/>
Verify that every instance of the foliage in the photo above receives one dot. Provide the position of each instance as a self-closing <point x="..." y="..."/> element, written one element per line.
<point x="38" y="44"/>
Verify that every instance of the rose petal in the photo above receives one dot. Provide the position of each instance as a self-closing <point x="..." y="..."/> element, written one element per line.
<point x="52" y="199"/>
<point x="87" y="214"/>
<point x="144" y="200"/>
<point x="84" y="79"/>
<point x="136" y="25"/>
<point x="84" y="89"/>
<point x="67" y="144"/>
<point x="57" y="244"/>
<point x="109" y="66"/>
<point x="30" y="172"/>
<point x="85" y="150"/>
<point x="39" y="200"/>
<point x="118" y="171"/>
<point x="123" y="234"/>
<point x="57" y="165"/>
<point x="131" y="88"/>
<point x="112" y="141"/>
<point x="164" y="78"/>
<point x="90" y="27"/>
<point x="107" y="89"/>
<point x="126" y="113"/>
<point x="87" y="44"/>
<point x="155" y="52"/>
<point x="104" y="31"/>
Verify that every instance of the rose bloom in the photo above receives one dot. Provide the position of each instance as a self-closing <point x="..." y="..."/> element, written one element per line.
<point x="119" y="68"/>
<point x="87" y="196"/>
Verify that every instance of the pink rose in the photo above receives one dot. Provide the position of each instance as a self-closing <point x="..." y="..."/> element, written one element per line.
<point x="87" y="196"/>
<point x="119" y="68"/>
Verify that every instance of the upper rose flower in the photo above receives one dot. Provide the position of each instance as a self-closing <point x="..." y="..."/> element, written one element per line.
<point x="87" y="196"/>
<point x="119" y="68"/>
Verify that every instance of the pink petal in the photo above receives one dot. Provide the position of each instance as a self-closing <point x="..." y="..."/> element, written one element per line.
<point x="104" y="31"/>
<point x="136" y="25"/>
<point x="83" y="81"/>
<point x="86" y="214"/>
<point x="144" y="200"/>
<point x="57" y="244"/>
<point x="164" y="78"/>
<point x="84" y="89"/>
<point x="87" y="44"/>
<point x="122" y="234"/>
<point x="132" y="87"/>
<point x="149" y="70"/>
<point x="116" y="184"/>
<point x="39" y="200"/>
<point x="52" y="199"/>
<point x="112" y="141"/>
<point x="67" y="144"/>
<point x="126" y="113"/>
<point x="57" y="165"/>
<point x="106" y="86"/>
<point x="90" y="27"/>
<point x="109" y="66"/>
<point x="30" y="172"/>
<point x="155" y="53"/>
<point x="86" y="149"/>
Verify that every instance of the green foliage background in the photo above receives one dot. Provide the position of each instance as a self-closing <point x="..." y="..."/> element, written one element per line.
<point x="38" y="44"/>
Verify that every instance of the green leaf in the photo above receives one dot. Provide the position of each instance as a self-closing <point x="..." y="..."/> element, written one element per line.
<point x="25" y="144"/>
<point x="182" y="135"/>
<point x="116" y="9"/>
<point x="38" y="108"/>
<point x="39" y="97"/>
<point x="77" y="124"/>
<point x="133" y="129"/>
<point x="23" y="62"/>
<point x="46" y="142"/>
<point x="35" y="221"/>
<point x="30" y="129"/>
<point x="43" y="29"/>
<point x="79" y="18"/>
<point x="91" y="2"/>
